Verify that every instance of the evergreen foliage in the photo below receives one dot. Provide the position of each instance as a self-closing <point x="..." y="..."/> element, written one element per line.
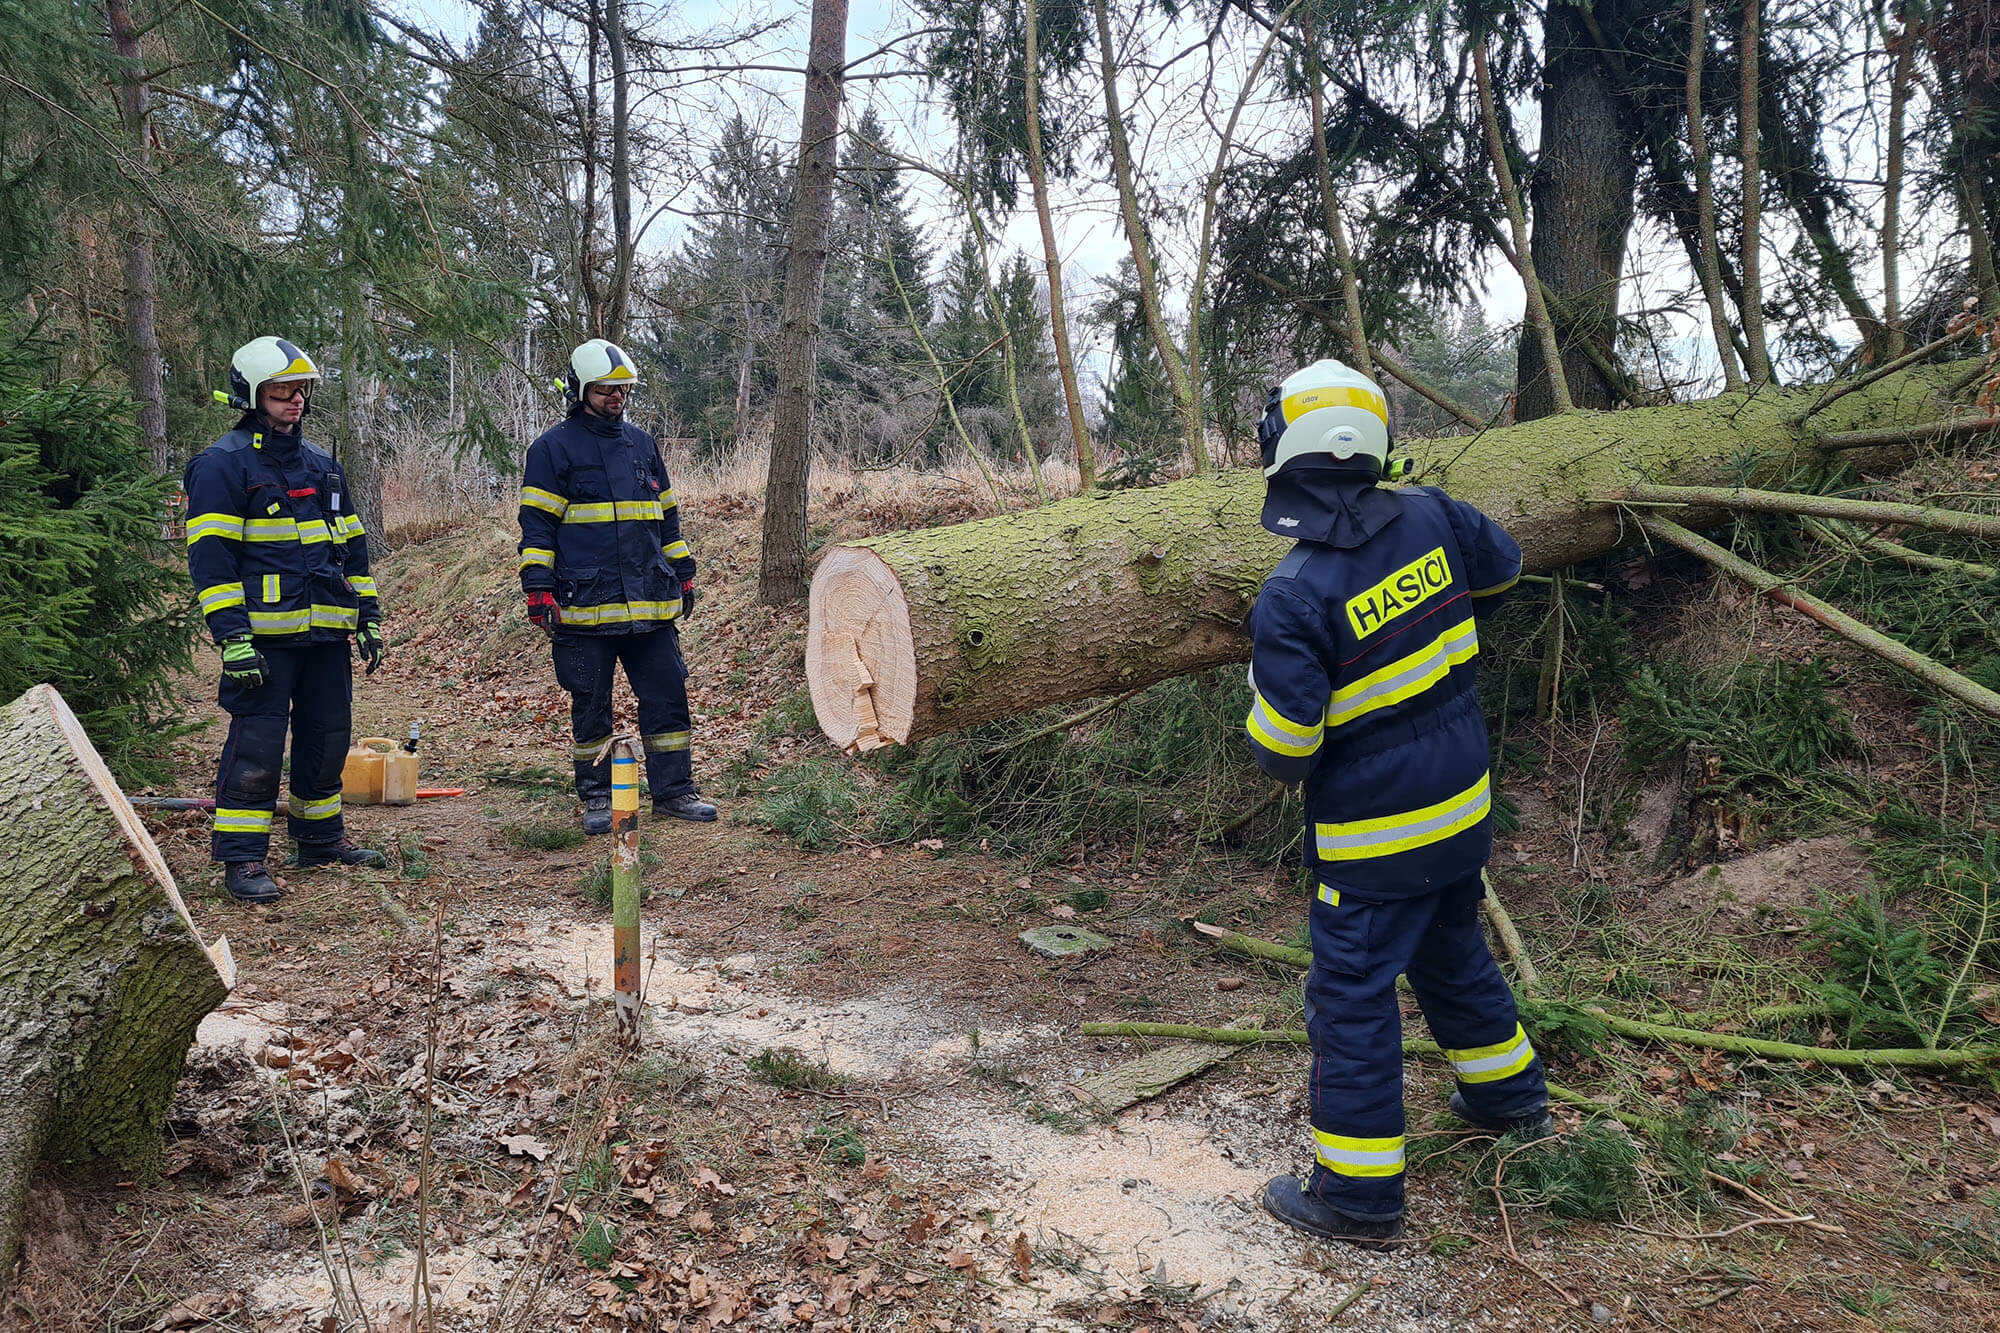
<point x="92" y="599"/>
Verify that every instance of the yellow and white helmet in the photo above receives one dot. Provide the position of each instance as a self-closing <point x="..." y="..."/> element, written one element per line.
<point x="599" y="361"/>
<point x="266" y="360"/>
<point x="1324" y="412"/>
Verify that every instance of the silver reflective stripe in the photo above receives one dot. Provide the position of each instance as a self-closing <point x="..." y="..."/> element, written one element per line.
<point x="1397" y="835"/>
<point x="1450" y="648"/>
<point x="1480" y="1066"/>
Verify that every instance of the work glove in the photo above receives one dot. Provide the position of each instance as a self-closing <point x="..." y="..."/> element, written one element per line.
<point x="242" y="664"/>
<point x="687" y="599"/>
<point x="368" y="642"/>
<point x="543" y="611"/>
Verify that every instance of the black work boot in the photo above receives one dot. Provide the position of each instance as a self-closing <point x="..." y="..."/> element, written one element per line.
<point x="593" y="793"/>
<point x="689" y="807"/>
<point x="1287" y="1199"/>
<point x="342" y="853"/>
<point x="249" y="882"/>
<point x="1535" y="1125"/>
<point x="597" y="815"/>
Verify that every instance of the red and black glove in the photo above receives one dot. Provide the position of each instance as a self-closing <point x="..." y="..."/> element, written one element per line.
<point x="687" y="599"/>
<point x="542" y="609"/>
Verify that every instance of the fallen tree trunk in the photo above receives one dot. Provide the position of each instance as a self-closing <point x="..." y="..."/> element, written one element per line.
<point x="918" y="633"/>
<point x="103" y="977"/>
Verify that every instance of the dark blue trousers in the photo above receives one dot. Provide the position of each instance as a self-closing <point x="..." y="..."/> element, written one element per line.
<point x="586" y="666"/>
<point x="311" y="689"/>
<point x="1357" y="1037"/>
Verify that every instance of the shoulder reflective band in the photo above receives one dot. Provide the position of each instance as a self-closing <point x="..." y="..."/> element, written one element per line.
<point x="1490" y="1064"/>
<point x="1278" y="734"/>
<point x="534" y="497"/>
<point x="1389" y="834"/>
<point x="1406" y="677"/>
<point x="1345" y="1155"/>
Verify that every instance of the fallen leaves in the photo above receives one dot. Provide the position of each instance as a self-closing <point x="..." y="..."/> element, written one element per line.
<point x="525" y="1145"/>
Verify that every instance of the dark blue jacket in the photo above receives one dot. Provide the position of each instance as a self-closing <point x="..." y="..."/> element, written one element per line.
<point x="600" y="528"/>
<point x="274" y="545"/>
<point x="1364" y="686"/>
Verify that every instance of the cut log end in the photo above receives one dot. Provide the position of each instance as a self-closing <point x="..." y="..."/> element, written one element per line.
<point x="861" y="659"/>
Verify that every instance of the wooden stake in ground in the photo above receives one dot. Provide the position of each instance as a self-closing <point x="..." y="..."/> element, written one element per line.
<point x="106" y="977"/>
<point x="625" y="887"/>
<point x="918" y="633"/>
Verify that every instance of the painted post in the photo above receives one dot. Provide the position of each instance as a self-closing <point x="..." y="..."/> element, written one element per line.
<point x="625" y="887"/>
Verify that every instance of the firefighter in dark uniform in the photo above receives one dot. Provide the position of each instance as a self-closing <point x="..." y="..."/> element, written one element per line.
<point x="607" y="573"/>
<point x="280" y="564"/>
<point x="1364" y="687"/>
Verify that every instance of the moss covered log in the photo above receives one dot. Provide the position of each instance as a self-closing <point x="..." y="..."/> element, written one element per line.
<point x="103" y="977"/>
<point x="918" y="633"/>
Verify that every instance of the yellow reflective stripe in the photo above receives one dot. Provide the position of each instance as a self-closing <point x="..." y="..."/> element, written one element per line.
<point x="614" y="511"/>
<point x="620" y="613"/>
<point x="1405" y="677"/>
<point x="242" y="821"/>
<point x="323" y="809"/>
<point x="270" y="530"/>
<point x="1311" y="400"/>
<point x="1345" y="1155"/>
<point x="585" y="752"/>
<point x="538" y="555"/>
<point x="677" y="551"/>
<point x="214" y="525"/>
<point x="313" y="531"/>
<point x="363" y="585"/>
<point x="1389" y="834"/>
<point x="661" y="741"/>
<point x="1498" y="587"/>
<point x="1278" y="733"/>
<point x="349" y="525"/>
<point x="271" y="588"/>
<point x="668" y="499"/>
<point x="280" y="622"/>
<point x="220" y="597"/>
<point x="1329" y="895"/>
<point x="335" y="617"/>
<point x="534" y="497"/>
<point x="1490" y="1064"/>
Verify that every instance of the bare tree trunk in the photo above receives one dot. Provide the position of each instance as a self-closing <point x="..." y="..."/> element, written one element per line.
<point x="622" y="257"/>
<point x="1010" y="361"/>
<point x="358" y="457"/>
<point x="746" y="365"/>
<point x="1892" y="192"/>
<point x="781" y="575"/>
<point x="1710" y="265"/>
<point x="142" y="333"/>
<point x="1086" y="458"/>
<point x="1350" y="287"/>
<point x="1524" y="259"/>
<point x="593" y="294"/>
<point x="1748" y="130"/>
<point x="1142" y="249"/>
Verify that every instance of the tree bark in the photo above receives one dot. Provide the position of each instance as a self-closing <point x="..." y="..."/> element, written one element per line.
<point x="1748" y="51"/>
<point x="1343" y="258"/>
<point x="1536" y="325"/>
<point x="915" y="634"/>
<point x="622" y="257"/>
<point x="1142" y="248"/>
<point x="142" y="331"/>
<point x="106" y="976"/>
<point x="1892" y="188"/>
<point x="587" y="281"/>
<point x="1708" y="254"/>
<point x="1582" y="193"/>
<point x="1038" y="177"/>
<point x="781" y="575"/>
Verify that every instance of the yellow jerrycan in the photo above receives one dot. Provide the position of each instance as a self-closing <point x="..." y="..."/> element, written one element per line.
<point x="362" y="778"/>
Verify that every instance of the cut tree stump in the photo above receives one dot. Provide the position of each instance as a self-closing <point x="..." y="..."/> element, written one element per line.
<point x="918" y="633"/>
<point x="105" y="976"/>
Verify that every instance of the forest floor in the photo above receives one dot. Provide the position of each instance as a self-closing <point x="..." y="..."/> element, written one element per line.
<point x="856" y="1105"/>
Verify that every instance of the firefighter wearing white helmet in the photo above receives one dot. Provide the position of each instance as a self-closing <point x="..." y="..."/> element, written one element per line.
<point x="280" y="565"/>
<point x="607" y="573"/>
<point x="1362" y="669"/>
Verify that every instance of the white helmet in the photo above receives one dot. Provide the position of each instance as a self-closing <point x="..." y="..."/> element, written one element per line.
<point x="598" y="361"/>
<point x="1325" y="410"/>
<point x="264" y="361"/>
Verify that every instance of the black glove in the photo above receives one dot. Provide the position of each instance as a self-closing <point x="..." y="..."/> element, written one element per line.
<point x="368" y="642"/>
<point x="688" y="599"/>
<point x="242" y="664"/>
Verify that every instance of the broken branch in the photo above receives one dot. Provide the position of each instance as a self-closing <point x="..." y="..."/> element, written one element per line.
<point x="1819" y="506"/>
<point x="1936" y="431"/>
<point x="1836" y="533"/>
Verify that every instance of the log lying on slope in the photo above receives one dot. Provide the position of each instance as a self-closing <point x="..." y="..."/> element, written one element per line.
<point x="918" y="633"/>
<point x="103" y="977"/>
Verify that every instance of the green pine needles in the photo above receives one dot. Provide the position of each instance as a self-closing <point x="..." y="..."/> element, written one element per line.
<point x="93" y="599"/>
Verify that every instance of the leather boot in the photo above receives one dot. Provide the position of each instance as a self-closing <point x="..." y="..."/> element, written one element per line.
<point x="1536" y="1125"/>
<point x="1287" y="1199"/>
<point x="342" y="853"/>
<point x="689" y="807"/>
<point x="249" y="882"/>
